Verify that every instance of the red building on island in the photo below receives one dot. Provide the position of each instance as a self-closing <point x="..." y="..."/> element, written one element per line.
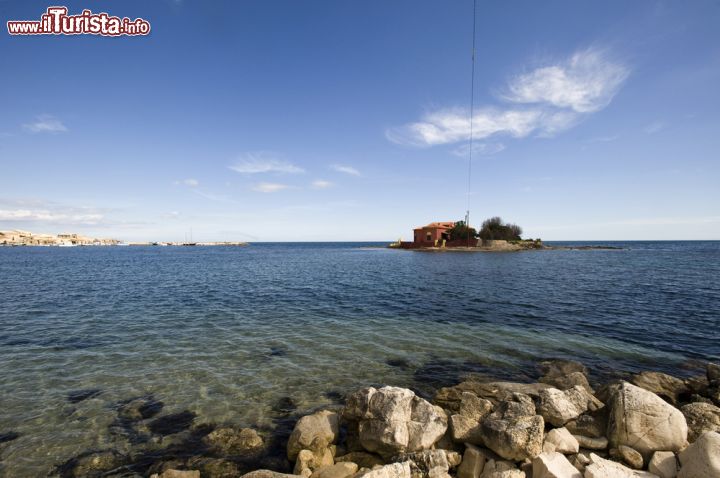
<point x="432" y="234"/>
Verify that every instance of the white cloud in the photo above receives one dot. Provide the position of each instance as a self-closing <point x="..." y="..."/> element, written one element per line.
<point x="46" y="124"/>
<point x="654" y="127"/>
<point x="480" y="149"/>
<point x="453" y="125"/>
<point x="263" y="162"/>
<point x="44" y="215"/>
<point x="321" y="184"/>
<point x="269" y="187"/>
<point x="345" y="169"/>
<point x="585" y="83"/>
<point x="557" y="97"/>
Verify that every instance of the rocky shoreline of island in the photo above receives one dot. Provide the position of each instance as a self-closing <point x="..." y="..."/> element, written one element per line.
<point x="564" y="425"/>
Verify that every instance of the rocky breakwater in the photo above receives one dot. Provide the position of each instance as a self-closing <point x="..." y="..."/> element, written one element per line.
<point x="649" y="425"/>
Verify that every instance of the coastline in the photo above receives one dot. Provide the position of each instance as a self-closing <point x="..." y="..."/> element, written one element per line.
<point x="479" y="428"/>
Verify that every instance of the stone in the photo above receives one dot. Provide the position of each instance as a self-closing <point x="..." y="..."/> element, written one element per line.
<point x="465" y="430"/>
<point x="602" y="468"/>
<point x="590" y="424"/>
<point x="561" y="441"/>
<point x="592" y="443"/>
<point x="642" y="420"/>
<point x="474" y="407"/>
<point x="393" y="470"/>
<point x="664" y="464"/>
<point x="177" y="474"/>
<point x="393" y="420"/>
<point x="473" y="462"/>
<point x="344" y="469"/>
<point x="553" y="465"/>
<point x="140" y="408"/>
<point x="701" y="418"/>
<point x="579" y="460"/>
<point x="713" y="372"/>
<point x="501" y="469"/>
<point x="362" y="458"/>
<point x="323" y="424"/>
<point x="514" y="438"/>
<point x="92" y="464"/>
<point x="564" y="374"/>
<point x="450" y="398"/>
<point x="667" y="387"/>
<point x="631" y="457"/>
<point x="558" y="407"/>
<point x="267" y="474"/>
<point x="233" y="441"/>
<point x="515" y="405"/>
<point x="429" y="463"/>
<point x="309" y="460"/>
<point x="702" y="458"/>
<point x="214" y="467"/>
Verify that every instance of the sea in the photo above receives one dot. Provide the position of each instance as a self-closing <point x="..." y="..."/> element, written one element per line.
<point x="255" y="335"/>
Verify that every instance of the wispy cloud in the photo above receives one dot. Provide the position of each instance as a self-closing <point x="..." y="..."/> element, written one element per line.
<point x="341" y="168"/>
<point x="269" y="187"/>
<point x="654" y="127"/>
<point x="46" y="124"/>
<point x="39" y="211"/>
<point x="321" y="184"/>
<point x="586" y="82"/>
<point x="557" y="97"/>
<point x="188" y="182"/>
<point x="263" y="162"/>
<point x="453" y="125"/>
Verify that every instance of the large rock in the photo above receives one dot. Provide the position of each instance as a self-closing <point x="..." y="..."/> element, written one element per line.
<point x="323" y="425"/>
<point x="560" y="406"/>
<point x="561" y="441"/>
<point x="564" y="374"/>
<point x="317" y="456"/>
<point x="450" y="397"/>
<point x="553" y="465"/>
<point x="362" y="458"/>
<point x="602" y="468"/>
<point x="514" y="438"/>
<point x="233" y="441"/>
<point x="473" y="462"/>
<point x="667" y="387"/>
<point x="465" y="425"/>
<point x="664" y="464"/>
<point x="702" y="458"/>
<point x="393" y="470"/>
<point x="642" y="420"/>
<point x="267" y="474"/>
<point x="592" y="443"/>
<point x="430" y="463"/>
<point x="393" y="420"/>
<point x="701" y="417"/>
<point x="590" y="424"/>
<point x="501" y="469"/>
<point x="177" y="474"/>
<point x="344" y="469"/>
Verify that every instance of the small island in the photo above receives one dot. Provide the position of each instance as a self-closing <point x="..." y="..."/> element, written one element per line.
<point x="495" y="235"/>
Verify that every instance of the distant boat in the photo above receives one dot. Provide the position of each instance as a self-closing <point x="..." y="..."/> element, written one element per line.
<point x="67" y="244"/>
<point x="122" y="244"/>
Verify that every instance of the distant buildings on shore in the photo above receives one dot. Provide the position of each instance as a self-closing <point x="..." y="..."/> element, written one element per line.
<point x="25" y="238"/>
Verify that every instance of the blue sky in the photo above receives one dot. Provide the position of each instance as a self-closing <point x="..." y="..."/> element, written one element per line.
<point x="348" y="120"/>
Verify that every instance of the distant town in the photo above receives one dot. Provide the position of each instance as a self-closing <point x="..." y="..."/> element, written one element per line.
<point x="25" y="238"/>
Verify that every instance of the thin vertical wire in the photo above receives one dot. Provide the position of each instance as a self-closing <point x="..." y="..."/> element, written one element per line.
<point x="472" y="114"/>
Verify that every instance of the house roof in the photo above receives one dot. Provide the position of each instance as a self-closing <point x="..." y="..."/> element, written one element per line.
<point x="437" y="225"/>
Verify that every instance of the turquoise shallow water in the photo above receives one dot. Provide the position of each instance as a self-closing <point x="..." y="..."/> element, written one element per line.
<point x="230" y="333"/>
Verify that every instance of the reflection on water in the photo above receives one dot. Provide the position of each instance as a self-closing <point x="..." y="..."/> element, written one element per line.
<point x="253" y="336"/>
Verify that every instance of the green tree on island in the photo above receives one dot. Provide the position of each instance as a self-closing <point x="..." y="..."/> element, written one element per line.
<point x="495" y="229"/>
<point x="461" y="231"/>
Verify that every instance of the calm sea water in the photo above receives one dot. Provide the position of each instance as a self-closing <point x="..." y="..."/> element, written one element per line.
<point x="228" y="333"/>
